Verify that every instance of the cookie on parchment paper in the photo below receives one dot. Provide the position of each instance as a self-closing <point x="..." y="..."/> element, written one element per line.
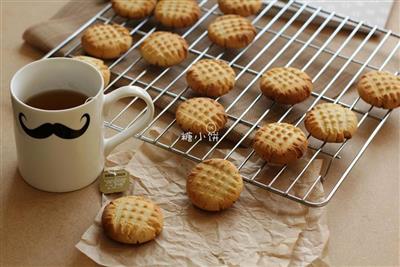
<point x="280" y="143"/>
<point x="231" y="31"/>
<point x="331" y="122"/>
<point x="134" y="9"/>
<point x="240" y="7"/>
<point x="99" y="64"/>
<point x="286" y="85"/>
<point x="177" y="13"/>
<point x="106" y="41"/>
<point x="132" y="220"/>
<point x="214" y="185"/>
<point x="164" y="49"/>
<point x="201" y="115"/>
<point x="211" y="77"/>
<point x="380" y="89"/>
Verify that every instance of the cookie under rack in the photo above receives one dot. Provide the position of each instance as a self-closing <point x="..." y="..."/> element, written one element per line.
<point x="335" y="51"/>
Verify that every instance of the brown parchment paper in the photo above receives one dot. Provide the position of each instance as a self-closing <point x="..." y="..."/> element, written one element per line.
<point x="261" y="229"/>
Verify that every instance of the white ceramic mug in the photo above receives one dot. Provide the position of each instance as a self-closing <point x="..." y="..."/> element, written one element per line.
<point x="64" y="150"/>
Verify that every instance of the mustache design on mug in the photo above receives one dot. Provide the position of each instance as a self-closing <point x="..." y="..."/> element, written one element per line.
<point x="47" y="129"/>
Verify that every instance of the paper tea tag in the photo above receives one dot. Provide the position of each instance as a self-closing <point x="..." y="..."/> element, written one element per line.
<point x="114" y="181"/>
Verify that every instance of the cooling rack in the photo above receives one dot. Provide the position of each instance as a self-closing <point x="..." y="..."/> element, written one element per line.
<point x="333" y="49"/>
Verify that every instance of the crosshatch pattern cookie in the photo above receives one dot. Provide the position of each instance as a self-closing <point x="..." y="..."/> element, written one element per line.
<point x="240" y="7"/>
<point x="231" y="31"/>
<point x="380" y="89"/>
<point x="106" y="41"/>
<point x="214" y="185"/>
<point x="164" y="49"/>
<point x="134" y="9"/>
<point x="211" y="77"/>
<point x="177" y="13"/>
<point x="201" y="115"/>
<point x="132" y="220"/>
<point x="286" y="85"/>
<point x="331" y="122"/>
<point x="280" y="143"/>
<point x="99" y="64"/>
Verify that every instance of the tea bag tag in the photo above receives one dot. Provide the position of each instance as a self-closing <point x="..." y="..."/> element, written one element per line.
<point x="114" y="181"/>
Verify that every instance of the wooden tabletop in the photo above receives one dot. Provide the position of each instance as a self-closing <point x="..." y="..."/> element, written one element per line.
<point x="41" y="229"/>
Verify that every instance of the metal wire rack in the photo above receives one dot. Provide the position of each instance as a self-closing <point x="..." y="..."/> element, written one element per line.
<point x="333" y="49"/>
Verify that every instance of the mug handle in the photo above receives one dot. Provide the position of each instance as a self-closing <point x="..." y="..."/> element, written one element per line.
<point x="122" y="92"/>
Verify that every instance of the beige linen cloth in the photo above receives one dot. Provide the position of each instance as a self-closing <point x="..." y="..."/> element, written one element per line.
<point x="262" y="229"/>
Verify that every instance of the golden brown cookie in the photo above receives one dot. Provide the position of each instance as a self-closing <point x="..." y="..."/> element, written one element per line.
<point x="380" y="89"/>
<point x="240" y="7"/>
<point x="201" y="115"/>
<point x="164" y="49"/>
<point x="177" y="13"/>
<point x="231" y="31"/>
<point x="106" y="41"/>
<point x="331" y="122"/>
<point x="99" y="64"/>
<point x="132" y="220"/>
<point x="211" y="77"/>
<point x="214" y="185"/>
<point x="134" y="9"/>
<point x="286" y="85"/>
<point x="280" y="143"/>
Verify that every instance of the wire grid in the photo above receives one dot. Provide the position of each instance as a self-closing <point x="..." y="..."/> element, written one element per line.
<point x="284" y="38"/>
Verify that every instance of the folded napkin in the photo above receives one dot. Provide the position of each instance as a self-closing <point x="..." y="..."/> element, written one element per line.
<point x="47" y="35"/>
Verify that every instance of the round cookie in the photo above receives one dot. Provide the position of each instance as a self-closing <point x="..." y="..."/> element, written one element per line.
<point x="331" y="122"/>
<point x="231" y="31"/>
<point x="106" y="41"/>
<point x="99" y="64"/>
<point x="380" y="89"/>
<point x="164" y="49"/>
<point x="214" y="185"/>
<point x="211" y="77"/>
<point x="132" y="220"/>
<point x="280" y="143"/>
<point x="177" y="13"/>
<point x="134" y="9"/>
<point x="286" y="85"/>
<point x="201" y="115"/>
<point x="240" y="7"/>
